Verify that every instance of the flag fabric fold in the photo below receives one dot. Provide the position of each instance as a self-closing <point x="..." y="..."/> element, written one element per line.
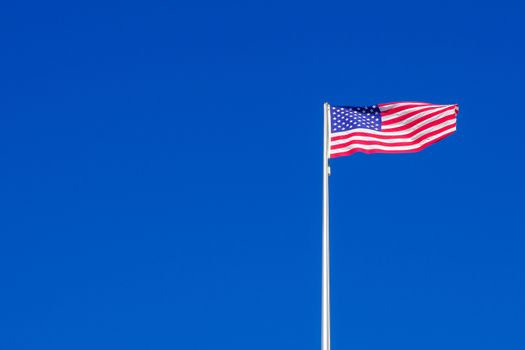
<point x="396" y="127"/>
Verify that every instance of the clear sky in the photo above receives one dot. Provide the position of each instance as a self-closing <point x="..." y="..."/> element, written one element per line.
<point x="161" y="167"/>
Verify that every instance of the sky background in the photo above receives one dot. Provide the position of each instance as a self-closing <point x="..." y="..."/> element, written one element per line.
<point x="161" y="176"/>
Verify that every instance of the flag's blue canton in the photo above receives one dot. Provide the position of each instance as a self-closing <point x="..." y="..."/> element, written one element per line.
<point x="348" y="118"/>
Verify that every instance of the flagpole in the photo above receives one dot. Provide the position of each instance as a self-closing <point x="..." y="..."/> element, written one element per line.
<point x="326" y="237"/>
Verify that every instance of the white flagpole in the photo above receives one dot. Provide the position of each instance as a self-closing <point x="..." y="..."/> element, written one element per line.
<point x="326" y="237"/>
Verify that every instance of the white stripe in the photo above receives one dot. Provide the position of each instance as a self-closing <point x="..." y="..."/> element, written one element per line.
<point x="426" y="109"/>
<point x="386" y="106"/>
<point x="402" y="139"/>
<point x="418" y="116"/>
<point x="393" y="148"/>
<point x="367" y="131"/>
<point x="394" y="133"/>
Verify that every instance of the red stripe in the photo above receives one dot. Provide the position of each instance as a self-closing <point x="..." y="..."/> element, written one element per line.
<point x="402" y="108"/>
<point x="342" y="137"/>
<point x="415" y="103"/>
<point x="394" y="144"/>
<point x="352" y="151"/>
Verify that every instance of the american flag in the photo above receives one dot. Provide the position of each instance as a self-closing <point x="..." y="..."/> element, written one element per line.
<point x="396" y="127"/>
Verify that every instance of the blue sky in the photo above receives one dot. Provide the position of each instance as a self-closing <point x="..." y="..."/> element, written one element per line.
<point x="160" y="185"/>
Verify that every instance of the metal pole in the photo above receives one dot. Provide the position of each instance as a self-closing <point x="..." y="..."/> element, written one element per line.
<point x="326" y="237"/>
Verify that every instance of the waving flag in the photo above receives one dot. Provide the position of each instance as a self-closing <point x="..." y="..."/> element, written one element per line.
<point x="397" y="127"/>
